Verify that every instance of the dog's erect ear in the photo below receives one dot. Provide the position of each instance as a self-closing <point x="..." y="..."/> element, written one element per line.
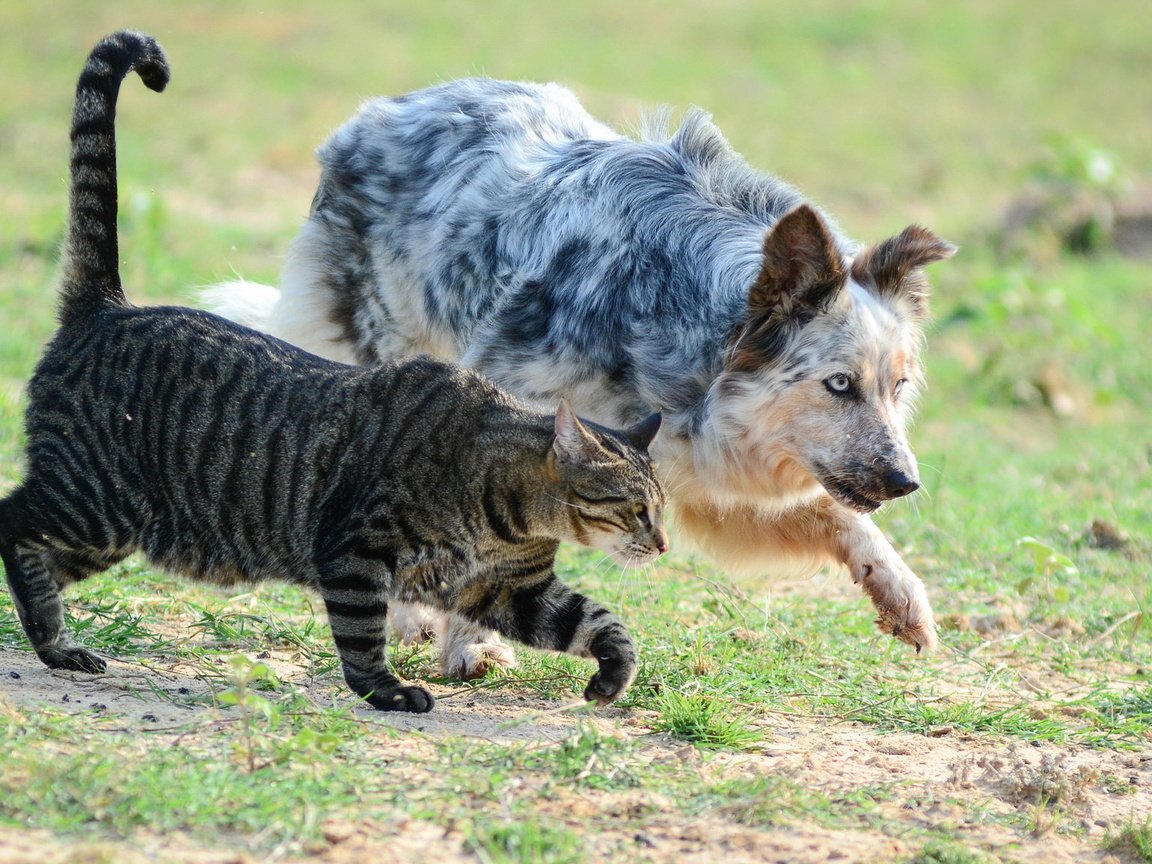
<point x="801" y="269"/>
<point x="893" y="268"/>
<point x="800" y="276"/>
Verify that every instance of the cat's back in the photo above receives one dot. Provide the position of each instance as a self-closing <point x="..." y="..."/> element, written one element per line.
<point x="209" y="446"/>
<point x="194" y="352"/>
<point x="425" y="415"/>
<point x="156" y="393"/>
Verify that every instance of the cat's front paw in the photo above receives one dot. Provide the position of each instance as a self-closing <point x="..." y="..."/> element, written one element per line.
<point x="617" y="657"/>
<point x="603" y="689"/>
<point x="416" y="700"/>
<point x="73" y="658"/>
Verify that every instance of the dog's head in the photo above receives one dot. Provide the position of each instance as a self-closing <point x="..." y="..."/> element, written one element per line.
<point x="821" y="371"/>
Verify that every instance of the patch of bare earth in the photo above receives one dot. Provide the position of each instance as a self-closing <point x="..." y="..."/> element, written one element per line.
<point x="1028" y="803"/>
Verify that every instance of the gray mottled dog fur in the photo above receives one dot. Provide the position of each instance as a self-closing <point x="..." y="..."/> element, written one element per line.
<point x="499" y="224"/>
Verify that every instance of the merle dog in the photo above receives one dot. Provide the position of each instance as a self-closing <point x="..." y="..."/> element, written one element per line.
<point x="500" y="225"/>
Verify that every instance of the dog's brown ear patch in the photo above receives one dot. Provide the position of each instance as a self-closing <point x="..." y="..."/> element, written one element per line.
<point x="801" y="268"/>
<point x="893" y="268"/>
<point x="800" y="275"/>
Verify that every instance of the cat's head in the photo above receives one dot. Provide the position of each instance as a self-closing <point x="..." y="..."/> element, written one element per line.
<point x="613" y="501"/>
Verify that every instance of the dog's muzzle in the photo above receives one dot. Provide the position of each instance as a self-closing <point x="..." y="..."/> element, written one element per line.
<point x="869" y="495"/>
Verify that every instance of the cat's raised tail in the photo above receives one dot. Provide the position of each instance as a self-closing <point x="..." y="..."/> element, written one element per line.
<point x="91" y="254"/>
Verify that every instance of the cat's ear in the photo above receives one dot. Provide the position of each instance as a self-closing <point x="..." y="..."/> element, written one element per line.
<point x="641" y="435"/>
<point x="573" y="442"/>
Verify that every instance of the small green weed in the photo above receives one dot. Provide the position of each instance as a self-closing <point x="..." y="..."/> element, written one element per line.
<point x="262" y="743"/>
<point x="1048" y="564"/>
<point x="525" y="842"/>
<point x="591" y="759"/>
<point x="247" y="676"/>
<point x="1134" y="839"/>
<point x="703" y="719"/>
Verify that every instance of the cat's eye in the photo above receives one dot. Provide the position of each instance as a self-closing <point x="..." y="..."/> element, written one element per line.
<point x="839" y="384"/>
<point x="641" y="512"/>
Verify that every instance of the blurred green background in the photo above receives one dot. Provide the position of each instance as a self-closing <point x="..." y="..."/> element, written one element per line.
<point x="883" y="111"/>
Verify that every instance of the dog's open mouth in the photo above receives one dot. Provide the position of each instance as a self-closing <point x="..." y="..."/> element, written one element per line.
<point x="851" y="497"/>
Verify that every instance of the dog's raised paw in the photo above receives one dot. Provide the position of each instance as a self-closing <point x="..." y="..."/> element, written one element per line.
<point x="921" y="635"/>
<point x="902" y="604"/>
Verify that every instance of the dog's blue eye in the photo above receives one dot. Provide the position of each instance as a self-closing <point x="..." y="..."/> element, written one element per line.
<point x="839" y="384"/>
<point x="899" y="386"/>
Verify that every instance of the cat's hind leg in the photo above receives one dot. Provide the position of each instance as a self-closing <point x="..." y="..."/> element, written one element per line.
<point x="358" y="616"/>
<point x="546" y="613"/>
<point x="35" y="586"/>
<point x="36" y="595"/>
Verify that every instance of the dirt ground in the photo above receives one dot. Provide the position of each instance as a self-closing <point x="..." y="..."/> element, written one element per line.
<point x="941" y="782"/>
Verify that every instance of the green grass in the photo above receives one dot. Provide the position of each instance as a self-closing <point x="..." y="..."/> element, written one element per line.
<point x="703" y="719"/>
<point x="1134" y="839"/>
<point x="525" y="843"/>
<point x="120" y="784"/>
<point x="1034" y="426"/>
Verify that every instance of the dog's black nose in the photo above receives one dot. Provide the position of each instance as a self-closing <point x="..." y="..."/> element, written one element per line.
<point x="898" y="484"/>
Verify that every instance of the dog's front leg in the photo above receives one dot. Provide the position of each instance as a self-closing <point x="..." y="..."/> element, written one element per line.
<point x="810" y="535"/>
<point x="895" y="591"/>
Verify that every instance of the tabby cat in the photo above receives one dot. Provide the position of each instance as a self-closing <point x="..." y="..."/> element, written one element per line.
<point x="229" y="455"/>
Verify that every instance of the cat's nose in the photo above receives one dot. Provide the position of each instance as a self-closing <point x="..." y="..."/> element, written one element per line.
<point x="660" y="539"/>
